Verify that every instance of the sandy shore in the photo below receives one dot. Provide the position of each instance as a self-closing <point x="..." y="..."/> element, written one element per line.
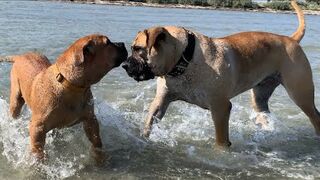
<point x="126" y="3"/>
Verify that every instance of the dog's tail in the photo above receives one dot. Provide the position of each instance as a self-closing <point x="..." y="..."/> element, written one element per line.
<point x="298" y="35"/>
<point x="6" y="59"/>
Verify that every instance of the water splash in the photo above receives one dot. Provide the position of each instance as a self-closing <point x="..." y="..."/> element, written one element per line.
<point x="186" y="131"/>
<point x="67" y="149"/>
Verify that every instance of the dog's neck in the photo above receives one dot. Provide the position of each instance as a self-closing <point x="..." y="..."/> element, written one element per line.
<point x="66" y="83"/>
<point x="185" y="58"/>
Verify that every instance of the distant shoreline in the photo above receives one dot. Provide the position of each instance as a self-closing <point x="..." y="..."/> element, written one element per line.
<point x="181" y="6"/>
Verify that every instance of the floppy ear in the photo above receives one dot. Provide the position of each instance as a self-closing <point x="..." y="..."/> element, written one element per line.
<point x="155" y="36"/>
<point x="87" y="52"/>
<point x="88" y="49"/>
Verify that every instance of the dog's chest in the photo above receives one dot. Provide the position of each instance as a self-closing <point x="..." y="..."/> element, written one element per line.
<point x="73" y="108"/>
<point x="192" y="93"/>
<point x="196" y="96"/>
<point x="72" y="112"/>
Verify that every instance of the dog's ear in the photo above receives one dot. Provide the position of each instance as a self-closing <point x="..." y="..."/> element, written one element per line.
<point x="88" y="50"/>
<point x="86" y="53"/>
<point x="155" y="37"/>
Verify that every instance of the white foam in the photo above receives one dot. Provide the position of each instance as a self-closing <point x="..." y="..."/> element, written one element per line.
<point x="67" y="150"/>
<point x="189" y="124"/>
<point x="185" y="127"/>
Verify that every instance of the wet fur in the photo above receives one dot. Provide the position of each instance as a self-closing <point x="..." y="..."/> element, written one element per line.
<point x="53" y="105"/>
<point x="224" y="67"/>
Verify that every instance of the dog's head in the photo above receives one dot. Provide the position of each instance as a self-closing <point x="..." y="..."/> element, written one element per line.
<point x="91" y="57"/>
<point x="155" y="52"/>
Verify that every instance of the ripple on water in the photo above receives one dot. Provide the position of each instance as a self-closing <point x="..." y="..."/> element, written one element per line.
<point x="183" y="142"/>
<point x="181" y="145"/>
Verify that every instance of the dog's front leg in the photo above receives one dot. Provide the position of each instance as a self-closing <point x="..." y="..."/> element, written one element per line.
<point x="37" y="136"/>
<point x="158" y="107"/>
<point x="91" y="128"/>
<point x="157" y="110"/>
<point x="220" y="114"/>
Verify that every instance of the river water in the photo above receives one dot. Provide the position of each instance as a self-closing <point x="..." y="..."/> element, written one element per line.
<point x="181" y="145"/>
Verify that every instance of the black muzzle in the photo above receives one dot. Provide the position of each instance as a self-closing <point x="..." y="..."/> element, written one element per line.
<point x="138" y="70"/>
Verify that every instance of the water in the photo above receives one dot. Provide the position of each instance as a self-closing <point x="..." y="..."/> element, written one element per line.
<point x="181" y="145"/>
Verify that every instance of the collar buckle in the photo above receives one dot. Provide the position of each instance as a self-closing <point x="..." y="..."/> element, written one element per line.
<point x="59" y="77"/>
<point x="62" y="80"/>
<point x="185" y="59"/>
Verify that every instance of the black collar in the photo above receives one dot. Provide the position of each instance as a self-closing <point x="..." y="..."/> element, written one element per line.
<point x="186" y="57"/>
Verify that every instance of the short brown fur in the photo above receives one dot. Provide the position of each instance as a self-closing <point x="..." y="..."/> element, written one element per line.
<point x="54" y="105"/>
<point x="222" y="68"/>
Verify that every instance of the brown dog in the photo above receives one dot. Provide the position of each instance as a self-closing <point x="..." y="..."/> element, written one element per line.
<point x="59" y="95"/>
<point x="209" y="72"/>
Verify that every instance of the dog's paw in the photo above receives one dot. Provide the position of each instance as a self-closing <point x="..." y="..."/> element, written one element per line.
<point x="222" y="147"/>
<point x="101" y="157"/>
<point x="40" y="157"/>
<point x="263" y="121"/>
<point x="146" y="132"/>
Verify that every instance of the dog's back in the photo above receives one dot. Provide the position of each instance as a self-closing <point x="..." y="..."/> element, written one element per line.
<point x="25" y="68"/>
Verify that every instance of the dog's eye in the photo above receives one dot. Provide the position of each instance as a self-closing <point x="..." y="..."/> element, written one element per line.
<point x="136" y="48"/>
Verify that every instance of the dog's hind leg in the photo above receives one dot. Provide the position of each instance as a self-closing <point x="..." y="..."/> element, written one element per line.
<point x="296" y="77"/>
<point x="261" y="94"/>
<point x="16" y="99"/>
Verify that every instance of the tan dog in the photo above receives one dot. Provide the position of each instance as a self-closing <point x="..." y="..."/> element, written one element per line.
<point x="209" y="72"/>
<point x="59" y="95"/>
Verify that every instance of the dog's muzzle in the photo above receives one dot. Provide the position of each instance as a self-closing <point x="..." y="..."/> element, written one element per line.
<point x="138" y="70"/>
<point x="122" y="53"/>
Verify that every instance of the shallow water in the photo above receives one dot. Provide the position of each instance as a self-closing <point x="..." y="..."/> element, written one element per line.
<point x="181" y="145"/>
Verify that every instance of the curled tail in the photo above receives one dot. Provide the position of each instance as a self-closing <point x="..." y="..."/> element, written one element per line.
<point x="298" y="35"/>
<point x="6" y="59"/>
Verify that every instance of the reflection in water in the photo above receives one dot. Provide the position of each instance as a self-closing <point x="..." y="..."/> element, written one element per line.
<point x="181" y="145"/>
